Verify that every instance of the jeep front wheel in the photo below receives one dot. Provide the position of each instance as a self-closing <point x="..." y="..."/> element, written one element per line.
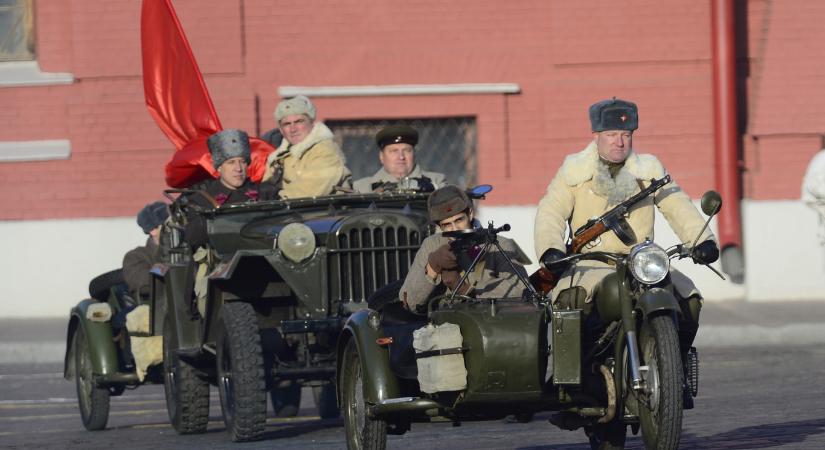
<point x="92" y="400"/>
<point x="187" y="393"/>
<point x="240" y="368"/>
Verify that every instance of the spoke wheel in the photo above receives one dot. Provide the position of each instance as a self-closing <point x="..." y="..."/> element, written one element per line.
<point x="187" y="394"/>
<point x="660" y="405"/>
<point x="363" y="432"/>
<point x="92" y="400"/>
<point x="240" y="367"/>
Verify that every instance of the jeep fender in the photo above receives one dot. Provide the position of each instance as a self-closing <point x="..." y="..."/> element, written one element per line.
<point x="380" y="383"/>
<point x="656" y="300"/>
<point x="99" y="337"/>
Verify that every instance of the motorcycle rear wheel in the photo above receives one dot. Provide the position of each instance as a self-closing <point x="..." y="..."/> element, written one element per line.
<point x="660" y="405"/>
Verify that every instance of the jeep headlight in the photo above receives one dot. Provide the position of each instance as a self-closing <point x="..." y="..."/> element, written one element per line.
<point x="296" y="241"/>
<point x="649" y="263"/>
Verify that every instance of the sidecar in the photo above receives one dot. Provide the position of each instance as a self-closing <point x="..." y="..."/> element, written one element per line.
<point x="503" y="345"/>
<point x="98" y="357"/>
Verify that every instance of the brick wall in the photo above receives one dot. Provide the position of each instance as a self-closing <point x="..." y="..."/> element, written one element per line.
<point x="564" y="55"/>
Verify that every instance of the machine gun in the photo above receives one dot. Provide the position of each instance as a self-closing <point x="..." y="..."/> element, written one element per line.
<point x="544" y="280"/>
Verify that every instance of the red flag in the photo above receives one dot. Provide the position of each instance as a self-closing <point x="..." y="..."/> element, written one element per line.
<point x="178" y="100"/>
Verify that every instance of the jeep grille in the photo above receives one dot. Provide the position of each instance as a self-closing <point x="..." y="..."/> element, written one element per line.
<point x="368" y="258"/>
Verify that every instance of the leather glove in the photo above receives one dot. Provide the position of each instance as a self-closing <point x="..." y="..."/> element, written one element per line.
<point x="706" y="252"/>
<point x="550" y="256"/>
<point x="442" y="259"/>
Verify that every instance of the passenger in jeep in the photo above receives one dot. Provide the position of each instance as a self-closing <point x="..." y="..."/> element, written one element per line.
<point x="308" y="162"/>
<point x="436" y="264"/>
<point x="231" y="157"/>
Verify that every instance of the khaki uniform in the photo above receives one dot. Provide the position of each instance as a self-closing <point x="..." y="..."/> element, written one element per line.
<point x="313" y="167"/>
<point x="492" y="279"/>
<point x="365" y="185"/>
<point x="580" y="191"/>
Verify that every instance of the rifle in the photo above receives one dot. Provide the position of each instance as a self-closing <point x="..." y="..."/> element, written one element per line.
<point x="614" y="219"/>
<point x="544" y="280"/>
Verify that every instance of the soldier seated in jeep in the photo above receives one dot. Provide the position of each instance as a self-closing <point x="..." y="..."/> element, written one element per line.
<point x="437" y="266"/>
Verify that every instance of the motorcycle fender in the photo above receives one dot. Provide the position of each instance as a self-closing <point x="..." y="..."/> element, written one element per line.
<point x="657" y="299"/>
<point x="380" y="383"/>
<point x="99" y="338"/>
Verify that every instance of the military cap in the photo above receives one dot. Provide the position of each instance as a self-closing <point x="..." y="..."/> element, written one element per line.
<point x="447" y="202"/>
<point x="228" y="144"/>
<point x="614" y="114"/>
<point x="152" y="216"/>
<point x="294" y="106"/>
<point x="396" y="134"/>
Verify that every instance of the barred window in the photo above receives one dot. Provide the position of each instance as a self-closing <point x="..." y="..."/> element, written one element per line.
<point x="16" y="30"/>
<point x="446" y="145"/>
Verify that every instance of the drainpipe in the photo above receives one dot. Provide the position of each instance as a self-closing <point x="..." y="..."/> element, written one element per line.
<point x="727" y="138"/>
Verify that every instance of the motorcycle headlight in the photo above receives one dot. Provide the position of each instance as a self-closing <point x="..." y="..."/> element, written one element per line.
<point x="649" y="263"/>
<point x="296" y="241"/>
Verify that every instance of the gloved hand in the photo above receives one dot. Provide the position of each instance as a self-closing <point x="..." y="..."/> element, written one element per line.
<point x="550" y="256"/>
<point x="706" y="252"/>
<point x="442" y="259"/>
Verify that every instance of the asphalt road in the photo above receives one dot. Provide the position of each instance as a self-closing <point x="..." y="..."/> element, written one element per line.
<point x="761" y="387"/>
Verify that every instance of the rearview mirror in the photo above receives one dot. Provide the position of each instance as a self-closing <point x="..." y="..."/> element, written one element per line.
<point x="479" y="191"/>
<point x="711" y="203"/>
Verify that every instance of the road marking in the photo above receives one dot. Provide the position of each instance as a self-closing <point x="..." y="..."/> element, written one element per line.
<point x="33" y="404"/>
<point x="73" y="415"/>
<point x="59" y="400"/>
<point x="32" y="376"/>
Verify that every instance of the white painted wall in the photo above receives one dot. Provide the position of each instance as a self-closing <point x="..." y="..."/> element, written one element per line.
<point x="46" y="266"/>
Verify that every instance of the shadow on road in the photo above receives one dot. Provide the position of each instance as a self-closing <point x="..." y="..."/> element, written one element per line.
<point x="758" y="436"/>
<point x="750" y="438"/>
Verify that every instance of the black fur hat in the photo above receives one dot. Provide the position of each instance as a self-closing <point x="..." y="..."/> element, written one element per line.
<point x="152" y="215"/>
<point x="614" y="114"/>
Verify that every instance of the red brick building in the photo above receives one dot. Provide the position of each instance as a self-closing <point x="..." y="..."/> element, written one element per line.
<point x="77" y="142"/>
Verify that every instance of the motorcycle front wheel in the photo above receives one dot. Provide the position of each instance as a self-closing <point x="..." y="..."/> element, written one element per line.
<point x="660" y="404"/>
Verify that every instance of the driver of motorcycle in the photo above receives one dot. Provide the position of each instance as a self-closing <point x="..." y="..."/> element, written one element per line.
<point x="436" y="266"/>
<point x="591" y="182"/>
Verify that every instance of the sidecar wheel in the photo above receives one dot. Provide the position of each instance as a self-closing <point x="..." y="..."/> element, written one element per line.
<point x="660" y="406"/>
<point x="363" y="432"/>
<point x="610" y="436"/>
<point x="92" y="400"/>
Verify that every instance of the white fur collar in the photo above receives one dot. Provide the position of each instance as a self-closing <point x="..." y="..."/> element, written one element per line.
<point x="581" y="167"/>
<point x="320" y="132"/>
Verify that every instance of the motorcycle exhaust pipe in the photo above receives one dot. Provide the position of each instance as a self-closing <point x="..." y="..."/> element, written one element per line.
<point x="611" y="395"/>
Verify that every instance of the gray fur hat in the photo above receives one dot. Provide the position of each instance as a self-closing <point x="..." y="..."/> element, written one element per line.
<point x="299" y="104"/>
<point x="447" y="202"/>
<point x="228" y="144"/>
<point x="614" y="114"/>
<point x="152" y="216"/>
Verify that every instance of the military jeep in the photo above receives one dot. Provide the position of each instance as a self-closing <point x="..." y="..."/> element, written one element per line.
<point x="281" y="279"/>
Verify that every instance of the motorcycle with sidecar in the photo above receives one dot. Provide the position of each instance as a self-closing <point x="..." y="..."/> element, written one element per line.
<point x="468" y="359"/>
